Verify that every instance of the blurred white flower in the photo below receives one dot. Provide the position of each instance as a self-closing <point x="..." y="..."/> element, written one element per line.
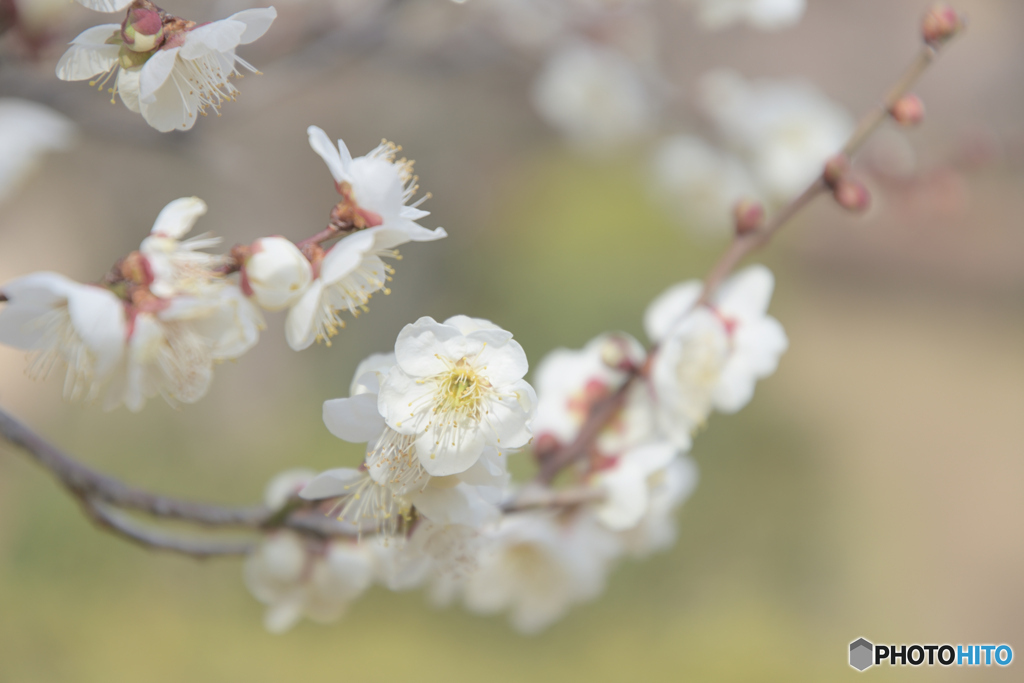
<point x="786" y="129"/>
<point x="457" y="387"/>
<point x="570" y="381"/>
<point x="710" y="357"/>
<point x="594" y="96"/>
<point x="28" y="131"/>
<point x="667" y="490"/>
<point x="60" y="321"/>
<point x="276" y="273"/>
<point x="297" y="578"/>
<point x="174" y="345"/>
<point x="285" y="485"/>
<point x="763" y="14"/>
<point x="700" y="183"/>
<point x="625" y="483"/>
<point x="536" y="566"/>
<point x="173" y="70"/>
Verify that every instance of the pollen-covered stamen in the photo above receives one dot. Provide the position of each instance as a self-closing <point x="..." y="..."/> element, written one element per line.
<point x="60" y="342"/>
<point x="392" y="462"/>
<point x="370" y="506"/>
<point x="353" y="292"/>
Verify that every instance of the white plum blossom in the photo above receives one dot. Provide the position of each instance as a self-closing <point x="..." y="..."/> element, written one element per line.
<point x="594" y="96"/>
<point x="710" y="357"/>
<point x="536" y="566"/>
<point x="785" y="129"/>
<point x="176" y="266"/>
<point x="393" y="480"/>
<point x="276" y="273"/>
<point x="296" y="577"/>
<point x="374" y="190"/>
<point x="667" y="490"/>
<point x="569" y="383"/>
<point x="701" y="184"/>
<point x="28" y="131"/>
<point x="61" y="321"/>
<point x="457" y="388"/>
<point x="625" y="483"/>
<point x="767" y="15"/>
<point x="168" y="69"/>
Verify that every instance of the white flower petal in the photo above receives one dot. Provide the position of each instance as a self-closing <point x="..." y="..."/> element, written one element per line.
<point x="300" y="325"/>
<point x="257" y="22"/>
<point x="323" y="146"/>
<point x="217" y="36"/>
<point x="128" y="88"/>
<point x="669" y="307"/>
<point x="177" y="218"/>
<point x="331" y="484"/>
<point x="105" y="5"/>
<point x="156" y="72"/>
<point x="354" y="419"/>
<point x="85" y="61"/>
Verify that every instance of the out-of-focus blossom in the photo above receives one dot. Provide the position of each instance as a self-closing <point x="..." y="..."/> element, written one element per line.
<point x="536" y="566"/>
<point x="569" y="383"/>
<point x="276" y="273"/>
<point x="296" y="578"/>
<point x="763" y="14"/>
<point x="594" y="96"/>
<point x="27" y="131"/>
<point x="667" y="490"/>
<point x="168" y="69"/>
<point x="625" y="483"/>
<point x="60" y="321"/>
<point x="458" y="388"/>
<point x="374" y="190"/>
<point x="710" y="357"/>
<point x="785" y="129"/>
<point x="700" y="183"/>
<point x="177" y="266"/>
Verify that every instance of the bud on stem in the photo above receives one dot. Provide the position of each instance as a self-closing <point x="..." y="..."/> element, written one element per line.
<point x="852" y="195"/>
<point x="748" y="216"/>
<point x="142" y="30"/>
<point x="908" y="110"/>
<point x="940" y="23"/>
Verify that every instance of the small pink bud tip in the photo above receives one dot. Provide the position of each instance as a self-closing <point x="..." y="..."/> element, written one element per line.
<point x="940" y="23"/>
<point x="852" y="195"/>
<point x="748" y="216"/>
<point x="836" y="169"/>
<point x="908" y="110"/>
<point x="142" y="30"/>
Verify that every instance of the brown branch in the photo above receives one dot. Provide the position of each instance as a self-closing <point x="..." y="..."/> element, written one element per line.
<point x="121" y="525"/>
<point x="742" y="245"/>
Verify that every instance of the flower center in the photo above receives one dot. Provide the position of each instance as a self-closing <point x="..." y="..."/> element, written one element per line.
<point x="461" y="390"/>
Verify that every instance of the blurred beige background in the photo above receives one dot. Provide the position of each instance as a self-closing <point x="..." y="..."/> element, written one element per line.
<point x="874" y="487"/>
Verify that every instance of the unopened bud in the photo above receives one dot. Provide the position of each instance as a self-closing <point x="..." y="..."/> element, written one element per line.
<point x="620" y="352"/>
<point x="852" y="195"/>
<point x="836" y="169"/>
<point x="748" y="216"/>
<point x="908" y="110"/>
<point x="142" y="30"/>
<point x="276" y="273"/>
<point x="940" y="23"/>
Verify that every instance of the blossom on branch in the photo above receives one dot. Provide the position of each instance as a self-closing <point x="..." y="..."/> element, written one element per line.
<point x="166" y="68"/>
<point x="710" y="357"/>
<point x="457" y="387"/>
<point x="374" y="190"/>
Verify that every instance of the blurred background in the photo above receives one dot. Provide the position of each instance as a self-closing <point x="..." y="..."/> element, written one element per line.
<point x="874" y="487"/>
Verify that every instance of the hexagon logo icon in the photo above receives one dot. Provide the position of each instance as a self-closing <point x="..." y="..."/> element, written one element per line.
<point x="862" y="654"/>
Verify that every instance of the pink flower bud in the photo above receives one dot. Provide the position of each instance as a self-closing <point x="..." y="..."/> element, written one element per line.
<point x="836" y="169"/>
<point x="852" y="195"/>
<point x="142" y="30"/>
<point x="748" y="216"/>
<point x="908" y="110"/>
<point x="940" y="23"/>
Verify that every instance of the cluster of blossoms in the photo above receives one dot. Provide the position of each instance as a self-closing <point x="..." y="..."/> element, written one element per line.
<point x="433" y="505"/>
<point x="164" y="67"/>
<point x="166" y="313"/>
